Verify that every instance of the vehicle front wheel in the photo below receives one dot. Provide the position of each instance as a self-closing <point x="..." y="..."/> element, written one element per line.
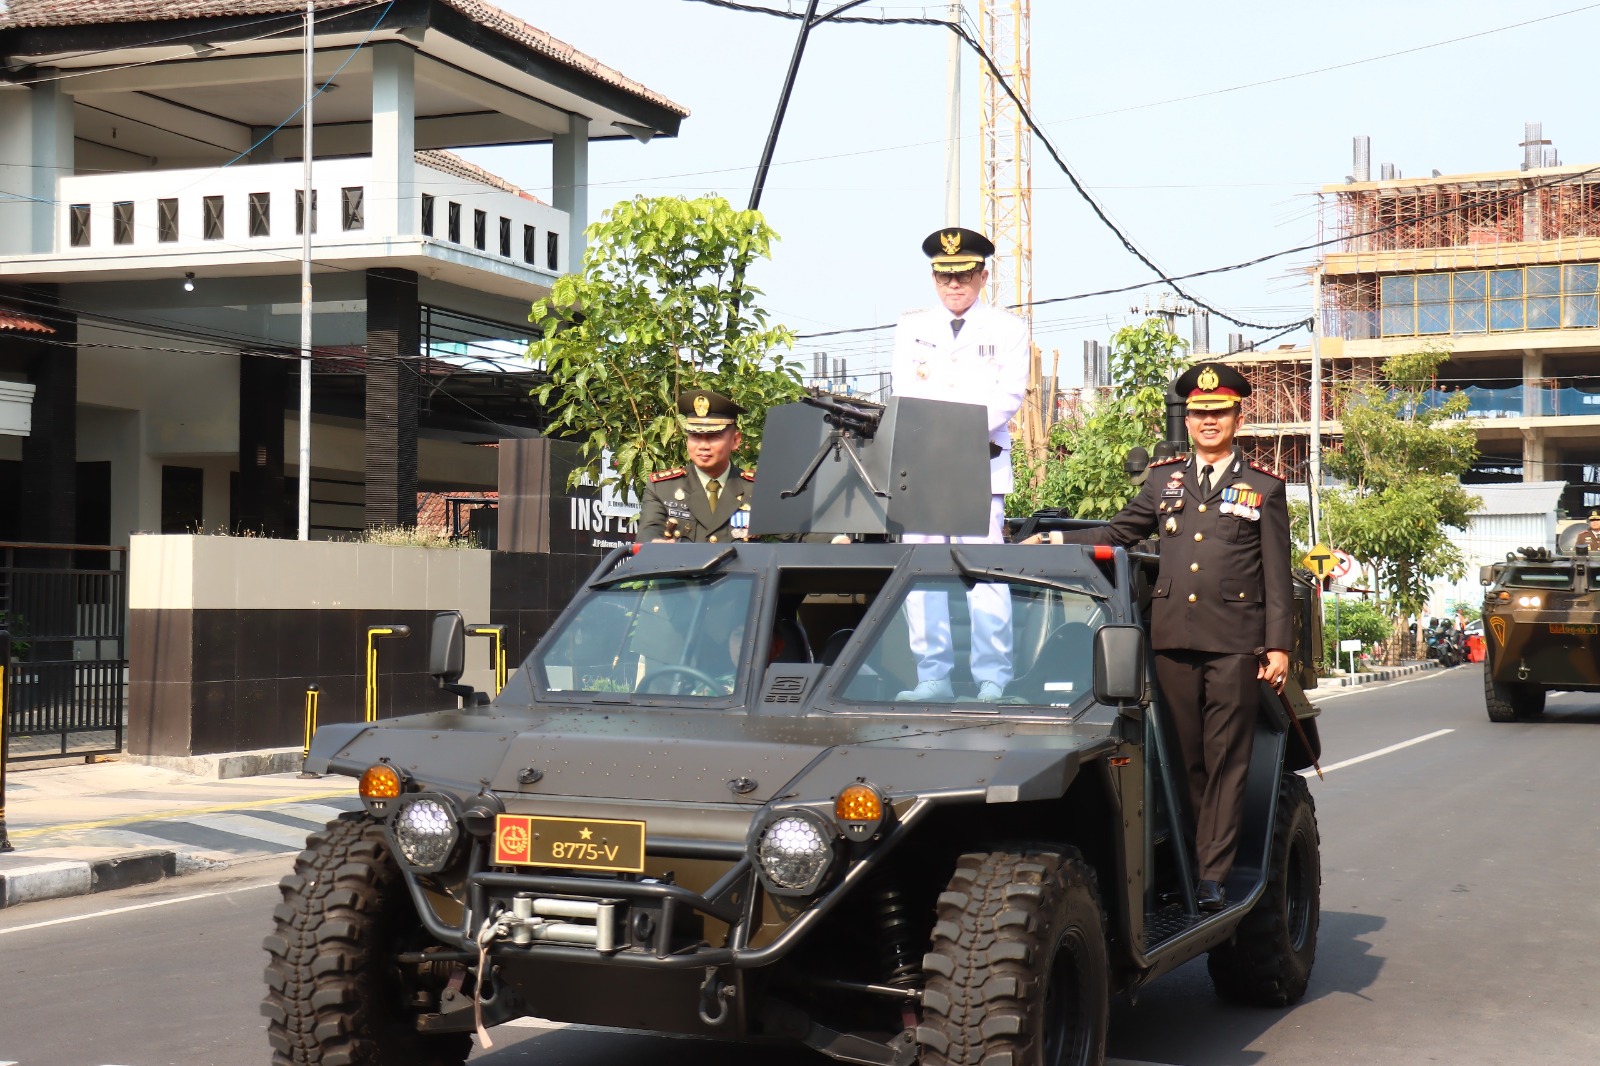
<point x="1268" y="961"/>
<point x="334" y="991"/>
<point x="1017" y="972"/>
<point x="1510" y="701"/>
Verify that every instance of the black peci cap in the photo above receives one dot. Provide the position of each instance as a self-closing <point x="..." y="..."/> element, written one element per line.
<point x="956" y="250"/>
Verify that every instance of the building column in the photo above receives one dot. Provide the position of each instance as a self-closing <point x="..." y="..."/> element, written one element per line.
<point x="1533" y="455"/>
<point x="263" y="385"/>
<point x="391" y="206"/>
<point x="393" y="328"/>
<point x="569" y="183"/>
<point x="36" y="137"/>
<point x="50" y="452"/>
<point x="1533" y="383"/>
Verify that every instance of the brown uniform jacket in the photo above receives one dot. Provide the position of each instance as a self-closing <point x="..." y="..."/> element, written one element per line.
<point x="677" y="493"/>
<point x="1587" y="539"/>
<point x="1223" y="584"/>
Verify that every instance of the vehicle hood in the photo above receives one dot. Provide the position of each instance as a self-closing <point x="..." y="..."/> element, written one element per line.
<point x="697" y="758"/>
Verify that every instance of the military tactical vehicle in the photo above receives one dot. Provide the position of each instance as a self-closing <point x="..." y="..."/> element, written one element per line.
<point x="702" y="806"/>
<point x="1541" y="621"/>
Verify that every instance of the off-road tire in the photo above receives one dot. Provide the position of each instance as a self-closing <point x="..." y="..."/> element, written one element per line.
<point x="1268" y="961"/>
<point x="1510" y="701"/>
<point x="1017" y="973"/>
<point x="334" y="995"/>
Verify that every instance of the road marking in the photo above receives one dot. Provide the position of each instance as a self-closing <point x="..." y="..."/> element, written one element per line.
<point x="136" y="907"/>
<point x="254" y="828"/>
<point x="180" y="814"/>
<point x="1381" y="751"/>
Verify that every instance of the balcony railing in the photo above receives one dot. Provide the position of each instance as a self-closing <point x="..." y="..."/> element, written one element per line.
<point x="249" y="207"/>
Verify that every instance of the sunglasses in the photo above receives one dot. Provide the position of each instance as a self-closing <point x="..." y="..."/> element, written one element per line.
<point x="966" y="277"/>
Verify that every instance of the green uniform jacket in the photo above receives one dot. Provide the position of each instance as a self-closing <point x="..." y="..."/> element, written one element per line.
<point x="677" y="493"/>
<point x="1223" y="584"/>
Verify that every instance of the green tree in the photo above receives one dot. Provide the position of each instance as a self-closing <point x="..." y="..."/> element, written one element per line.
<point x="1082" y="468"/>
<point x="1403" y="506"/>
<point x="661" y="305"/>
<point x="1352" y="620"/>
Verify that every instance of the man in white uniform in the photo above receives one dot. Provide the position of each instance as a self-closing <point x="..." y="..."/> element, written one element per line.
<point x="964" y="351"/>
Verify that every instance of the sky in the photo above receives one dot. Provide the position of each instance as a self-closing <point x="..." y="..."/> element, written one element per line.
<point x="1204" y="130"/>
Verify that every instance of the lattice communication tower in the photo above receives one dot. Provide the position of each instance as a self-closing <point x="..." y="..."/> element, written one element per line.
<point x="1005" y="153"/>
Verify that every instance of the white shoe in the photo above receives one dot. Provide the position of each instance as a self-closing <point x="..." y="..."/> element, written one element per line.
<point x="989" y="692"/>
<point x="936" y="689"/>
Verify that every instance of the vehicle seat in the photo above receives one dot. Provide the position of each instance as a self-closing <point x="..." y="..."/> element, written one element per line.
<point x="834" y="645"/>
<point x="789" y="643"/>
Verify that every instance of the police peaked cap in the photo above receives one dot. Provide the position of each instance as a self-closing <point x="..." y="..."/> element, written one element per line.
<point x="955" y="249"/>
<point x="704" y="411"/>
<point x="1211" y="387"/>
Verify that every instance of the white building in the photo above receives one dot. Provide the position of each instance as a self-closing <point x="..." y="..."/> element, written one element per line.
<point x="150" y="213"/>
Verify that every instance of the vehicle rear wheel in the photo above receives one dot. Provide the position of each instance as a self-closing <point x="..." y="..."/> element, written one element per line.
<point x="1268" y="961"/>
<point x="334" y="991"/>
<point x="1017" y="972"/>
<point x="1510" y="701"/>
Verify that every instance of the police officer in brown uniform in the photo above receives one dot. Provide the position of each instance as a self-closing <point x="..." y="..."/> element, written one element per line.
<point x="1590" y="538"/>
<point x="1222" y="592"/>
<point x="707" y="502"/>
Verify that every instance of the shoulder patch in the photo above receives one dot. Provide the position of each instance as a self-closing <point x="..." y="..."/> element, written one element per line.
<point x="1267" y="470"/>
<point x="667" y="475"/>
<point x="1169" y="462"/>
<point x="748" y="475"/>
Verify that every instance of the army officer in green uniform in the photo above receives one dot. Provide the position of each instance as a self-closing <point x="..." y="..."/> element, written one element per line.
<point x="1220" y="615"/>
<point x="707" y="502"/>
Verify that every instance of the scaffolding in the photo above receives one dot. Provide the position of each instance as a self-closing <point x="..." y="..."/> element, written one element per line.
<point x="1005" y="153"/>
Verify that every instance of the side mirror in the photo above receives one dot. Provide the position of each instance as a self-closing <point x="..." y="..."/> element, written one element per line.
<point x="1119" y="667"/>
<point x="1486" y="574"/>
<point x="447" y="648"/>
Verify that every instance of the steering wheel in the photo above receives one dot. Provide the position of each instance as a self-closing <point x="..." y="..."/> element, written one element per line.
<point x="711" y="683"/>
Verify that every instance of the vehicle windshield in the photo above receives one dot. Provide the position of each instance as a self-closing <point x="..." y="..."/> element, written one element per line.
<point x="1035" y="645"/>
<point x="658" y="636"/>
<point x="1538" y="576"/>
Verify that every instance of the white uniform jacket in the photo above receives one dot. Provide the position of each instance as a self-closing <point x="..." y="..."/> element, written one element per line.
<point x="987" y="364"/>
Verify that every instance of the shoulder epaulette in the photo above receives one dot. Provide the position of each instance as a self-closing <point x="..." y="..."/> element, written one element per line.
<point x="667" y="475"/>
<point x="1265" y="470"/>
<point x="748" y="475"/>
<point x="1169" y="462"/>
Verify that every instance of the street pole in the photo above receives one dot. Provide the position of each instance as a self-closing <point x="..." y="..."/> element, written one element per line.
<point x="952" y="125"/>
<point x="306" y="216"/>
<point x="1314" y="467"/>
<point x="5" y="734"/>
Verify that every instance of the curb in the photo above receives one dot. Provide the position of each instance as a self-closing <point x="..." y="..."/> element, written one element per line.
<point x="226" y="765"/>
<point x="1383" y="673"/>
<point x="59" y="878"/>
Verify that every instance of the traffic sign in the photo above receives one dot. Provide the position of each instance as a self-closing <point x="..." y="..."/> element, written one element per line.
<point x="1320" y="560"/>
<point x="1343" y="564"/>
<point x="1349" y="645"/>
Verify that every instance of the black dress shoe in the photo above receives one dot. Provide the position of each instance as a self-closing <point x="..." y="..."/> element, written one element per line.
<point x="1209" y="896"/>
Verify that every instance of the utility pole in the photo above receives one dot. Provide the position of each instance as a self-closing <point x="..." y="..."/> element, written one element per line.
<point x="1314" y="464"/>
<point x="306" y="215"/>
<point x="952" y="125"/>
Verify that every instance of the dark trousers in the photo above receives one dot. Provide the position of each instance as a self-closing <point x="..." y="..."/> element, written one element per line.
<point x="1212" y="700"/>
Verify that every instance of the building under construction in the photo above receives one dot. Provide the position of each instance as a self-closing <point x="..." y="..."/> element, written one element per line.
<point x="1500" y="268"/>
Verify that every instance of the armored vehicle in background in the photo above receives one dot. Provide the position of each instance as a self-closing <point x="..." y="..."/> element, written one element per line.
<point x="702" y="807"/>
<point x="1541" y="621"/>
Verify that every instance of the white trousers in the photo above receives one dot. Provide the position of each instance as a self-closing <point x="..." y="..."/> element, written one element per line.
<point x="988" y="606"/>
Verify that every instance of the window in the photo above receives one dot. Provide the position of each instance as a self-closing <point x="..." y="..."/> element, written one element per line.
<point x="552" y="251"/>
<point x="1052" y="645"/>
<point x="427" y="215"/>
<point x="182" y="499"/>
<point x="122" y="222"/>
<point x="1479" y="301"/>
<point x="166" y="221"/>
<point x="455" y="223"/>
<point x="300" y="211"/>
<point x="529" y="255"/>
<point x="674" y="636"/>
<point x="80" y="225"/>
<point x="351" y="201"/>
<point x="505" y="237"/>
<point x="211" y="217"/>
<point x="480" y="230"/>
<point x="260" y="214"/>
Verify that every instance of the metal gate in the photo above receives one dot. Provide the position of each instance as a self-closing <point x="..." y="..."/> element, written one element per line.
<point x="66" y="607"/>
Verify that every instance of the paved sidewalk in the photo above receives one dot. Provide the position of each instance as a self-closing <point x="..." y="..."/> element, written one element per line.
<point x="90" y="827"/>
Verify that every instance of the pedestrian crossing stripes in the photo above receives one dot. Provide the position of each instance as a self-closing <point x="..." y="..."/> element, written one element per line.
<point x="207" y="838"/>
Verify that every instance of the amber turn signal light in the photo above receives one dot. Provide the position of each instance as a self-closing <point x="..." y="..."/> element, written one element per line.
<point x="380" y="782"/>
<point x="858" y="803"/>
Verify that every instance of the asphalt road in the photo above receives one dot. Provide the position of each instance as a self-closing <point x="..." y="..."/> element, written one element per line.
<point x="1460" y="924"/>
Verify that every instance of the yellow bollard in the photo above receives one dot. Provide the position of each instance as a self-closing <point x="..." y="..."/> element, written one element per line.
<point x="375" y="634"/>
<point x="497" y="651"/>
<point x="312" y="695"/>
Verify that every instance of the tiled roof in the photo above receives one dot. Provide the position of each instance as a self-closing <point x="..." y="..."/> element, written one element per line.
<point x="452" y="164"/>
<point x="507" y="25"/>
<point x="12" y="320"/>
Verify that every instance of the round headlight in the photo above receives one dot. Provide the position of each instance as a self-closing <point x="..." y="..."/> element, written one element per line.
<point x="794" y="853"/>
<point x="425" y="832"/>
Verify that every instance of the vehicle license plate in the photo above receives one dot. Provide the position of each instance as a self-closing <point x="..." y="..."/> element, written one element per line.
<point x="570" y="843"/>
